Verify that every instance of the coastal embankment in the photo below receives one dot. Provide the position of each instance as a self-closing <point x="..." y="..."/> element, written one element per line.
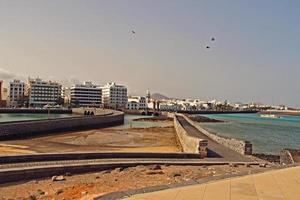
<point x="21" y="129"/>
<point x="188" y="142"/>
<point x="36" y="110"/>
<point x="240" y="146"/>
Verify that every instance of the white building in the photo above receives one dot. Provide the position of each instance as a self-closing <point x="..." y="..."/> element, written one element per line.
<point x="86" y="95"/>
<point x="136" y="103"/>
<point x="114" y="96"/>
<point x="16" y="93"/>
<point x="41" y="93"/>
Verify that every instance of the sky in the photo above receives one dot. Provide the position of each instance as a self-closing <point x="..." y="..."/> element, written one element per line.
<point x="255" y="55"/>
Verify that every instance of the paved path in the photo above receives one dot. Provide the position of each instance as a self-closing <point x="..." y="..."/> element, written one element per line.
<point x="283" y="184"/>
<point x="215" y="150"/>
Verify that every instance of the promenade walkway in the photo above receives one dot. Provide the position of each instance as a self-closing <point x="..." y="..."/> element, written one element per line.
<point x="283" y="184"/>
<point x="215" y="150"/>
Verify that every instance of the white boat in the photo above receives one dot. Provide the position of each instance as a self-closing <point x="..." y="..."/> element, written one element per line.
<point x="269" y="116"/>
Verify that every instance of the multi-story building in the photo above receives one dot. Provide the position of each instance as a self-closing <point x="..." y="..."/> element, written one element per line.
<point x="2" y="96"/>
<point x="86" y="95"/>
<point x="41" y="93"/>
<point x="136" y="103"/>
<point x="114" y="96"/>
<point x="16" y="95"/>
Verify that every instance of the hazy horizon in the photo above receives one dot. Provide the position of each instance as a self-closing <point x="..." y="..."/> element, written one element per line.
<point x="254" y="56"/>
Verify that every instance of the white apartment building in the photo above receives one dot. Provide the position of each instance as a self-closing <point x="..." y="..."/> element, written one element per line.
<point x="114" y="96"/>
<point x="41" y="93"/>
<point x="16" y="93"/>
<point x="136" y="103"/>
<point x="86" y="95"/>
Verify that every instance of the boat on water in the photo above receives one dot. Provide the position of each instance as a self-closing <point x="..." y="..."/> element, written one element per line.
<point x="272" y="116"/>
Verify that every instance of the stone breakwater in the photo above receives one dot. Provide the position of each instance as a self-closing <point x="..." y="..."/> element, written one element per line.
<point x="240" y="146"/>
<point x="189" y="143"/>
<point x="16" y="130"/>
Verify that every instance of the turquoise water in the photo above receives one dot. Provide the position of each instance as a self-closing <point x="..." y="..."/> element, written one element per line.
<point x="129" y="123"/>
<point x="9" y="117"/>
<point x="266" y="135"/>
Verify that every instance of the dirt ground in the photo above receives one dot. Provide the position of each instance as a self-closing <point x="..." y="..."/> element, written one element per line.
<point x="116" y="139"/>
<point x="87" y="186"/>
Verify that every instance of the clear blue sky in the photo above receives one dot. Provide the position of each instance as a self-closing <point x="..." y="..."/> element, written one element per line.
<point x="255" y="56"/>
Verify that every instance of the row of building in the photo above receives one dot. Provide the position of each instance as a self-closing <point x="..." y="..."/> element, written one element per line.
<point x="39" y="93"/>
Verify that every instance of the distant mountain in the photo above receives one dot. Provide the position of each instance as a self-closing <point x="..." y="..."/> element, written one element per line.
<point x="158" y="96"/>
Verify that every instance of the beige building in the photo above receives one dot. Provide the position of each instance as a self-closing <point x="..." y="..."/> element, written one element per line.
<point x="41" y="93"/>
<point x="16" y="96"/>
<point x="114" y="96"/>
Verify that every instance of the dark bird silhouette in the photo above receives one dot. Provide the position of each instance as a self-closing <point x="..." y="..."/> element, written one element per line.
<point x="207" y="47"/>
<point x="133" y="32"/>
<point x="213" y="39"/>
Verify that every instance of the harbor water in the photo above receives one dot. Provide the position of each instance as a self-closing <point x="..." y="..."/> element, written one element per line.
<point x="267" y="135"/>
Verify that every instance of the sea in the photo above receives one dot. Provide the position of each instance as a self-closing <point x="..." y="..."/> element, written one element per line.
<point x="12" y="117"/>
<point x="267" y="135"/>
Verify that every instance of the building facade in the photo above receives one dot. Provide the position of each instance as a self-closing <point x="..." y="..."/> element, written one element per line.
<point x="136" y="103"/>
<point x="114" y="96"/>
<point x="41" y="93"/>
<point x="16" y="96"/>
<point x="86" y="95"/>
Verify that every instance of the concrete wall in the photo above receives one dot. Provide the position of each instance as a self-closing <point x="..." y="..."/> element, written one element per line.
<point x="92" y="155"/>
<point x="240" y="146"/>
<point x="32" y="110"/>
<point x="15" y="130"/>
<point x="188" y="143"/>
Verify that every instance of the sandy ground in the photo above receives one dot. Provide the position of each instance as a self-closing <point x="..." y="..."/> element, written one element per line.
<point x="87" y="186"/>
<point x="133" y="139"/>
<point x="151" y="139"/>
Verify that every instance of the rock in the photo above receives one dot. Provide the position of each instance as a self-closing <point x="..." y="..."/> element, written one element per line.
<point x="41" y="192"/>
<point x="84" y="193"/>
<point x="32" y="197"/>
<point x="155" y="167"/>
<point x="68" y="174"/>
<point x="233" y="165"/>
<point x="176" y="174"/>
<point x="59" y="191"/>
<point x="247" y="165"/>
<point x="154" y="172"/>
<point x="262" y="165"/>
<point x="58" y="178"/>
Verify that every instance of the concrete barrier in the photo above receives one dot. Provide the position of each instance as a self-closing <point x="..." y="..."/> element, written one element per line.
<point x="189" y="143"/>
<point x="92" y="155"/>
<point x="16" y="130"/>
<point x="240" y="146"/>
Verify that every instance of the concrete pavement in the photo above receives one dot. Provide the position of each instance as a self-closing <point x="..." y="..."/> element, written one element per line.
<point x="282" y="184"/>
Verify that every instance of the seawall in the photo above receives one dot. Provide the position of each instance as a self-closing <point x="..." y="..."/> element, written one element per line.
<point x="31" y="110"/>
<point x="189" y="143"/>
<point x="21" y="129"/>
<point x="240" y="146"/>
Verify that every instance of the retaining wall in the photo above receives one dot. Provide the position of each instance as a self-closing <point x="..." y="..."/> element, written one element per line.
<point x="188" y="143"/>
<point x="15" y="130"/>
<point x="33" y="110"/>
<point x="240" y="146"/>
<point x="92" y="155"/>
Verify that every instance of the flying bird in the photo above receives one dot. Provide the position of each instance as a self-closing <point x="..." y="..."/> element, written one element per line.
<point x="207" y="47"/>
<point x="213" y="39"/>
<point x="133" y="32"/>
